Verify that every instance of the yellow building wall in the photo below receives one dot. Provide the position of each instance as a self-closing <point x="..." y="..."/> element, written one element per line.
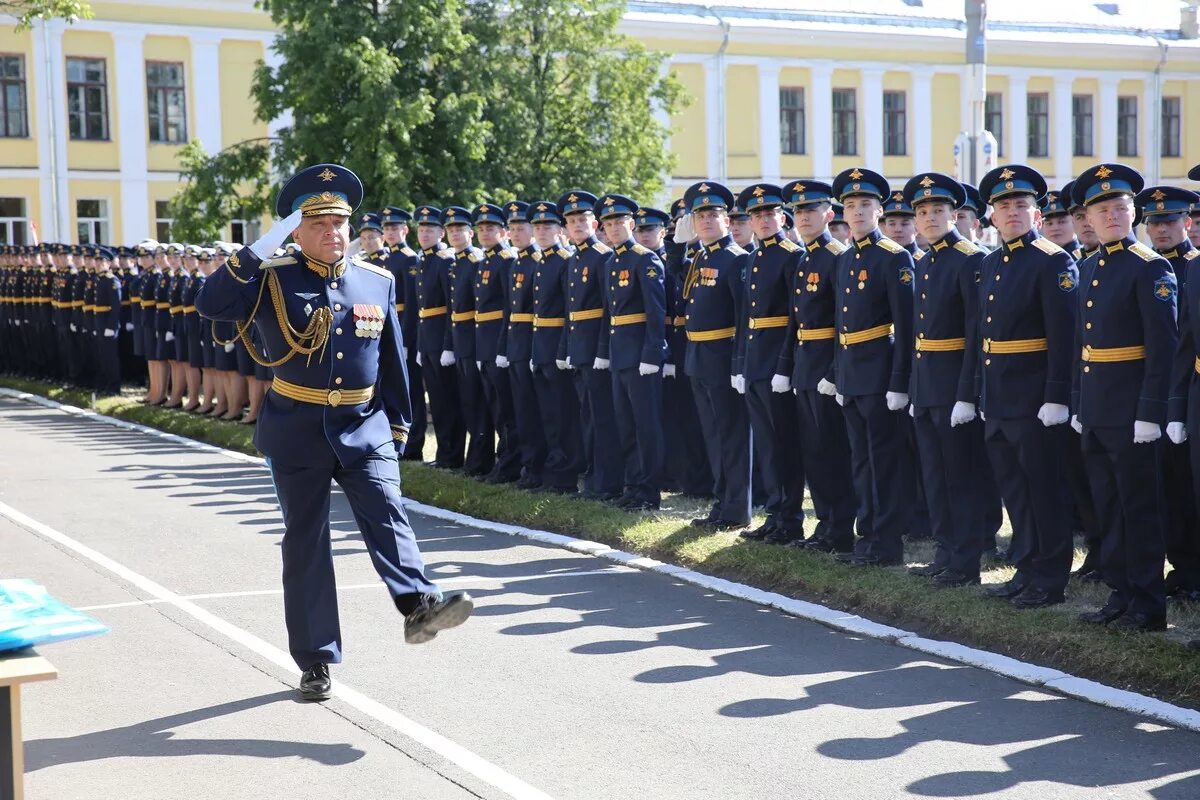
<point x="688" y="139"/>
<point x="94" y="155"/>
<point x="742" y="123"/>
<point x="238" y="60"/>
<point x="158" y="190"/>
<point x="21" y="152"/>
<point x="1176" y="168"/>
<point x="175" y="15"/>
<point x="30" y="190"/>
<point x="86" y="189"/>
<point x="799" y="166"/>
<point x="165" y="157"/>
<point x="848" y="79"/>
<point x="947" y="120"/>
<point x="1136" y="89"/>
<point x="1043" y="85"/>
<point x="902" y="166"/>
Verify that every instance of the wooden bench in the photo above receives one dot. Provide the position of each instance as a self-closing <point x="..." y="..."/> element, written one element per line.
<point x="18" y="668"/>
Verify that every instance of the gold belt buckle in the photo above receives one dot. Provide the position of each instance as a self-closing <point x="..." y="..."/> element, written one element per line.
<point x="335" y="397"/>
<point x="918" y="344"/>
<point x="987" y="345"/>
<point x="842" y="338"/>
<point x="1086" y="355"/>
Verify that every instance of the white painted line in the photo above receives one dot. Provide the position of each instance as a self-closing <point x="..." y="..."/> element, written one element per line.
<point x="1033" y="674"/>
<point x="476" y="765"/>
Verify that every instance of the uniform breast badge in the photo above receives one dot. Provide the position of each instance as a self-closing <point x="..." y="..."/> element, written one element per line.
<point x="368" y="321"/>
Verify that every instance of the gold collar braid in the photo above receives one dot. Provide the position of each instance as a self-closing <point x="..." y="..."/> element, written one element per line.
<point x="313" y="338"/>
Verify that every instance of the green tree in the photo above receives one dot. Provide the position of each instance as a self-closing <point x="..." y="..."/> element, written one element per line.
<point x="231" y="184"/>
<point x="26" y="11"/>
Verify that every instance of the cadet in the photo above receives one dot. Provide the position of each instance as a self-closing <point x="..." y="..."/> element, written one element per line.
<point x="1126" y="335"/>
<point x="712" y="290"/>
<point x="433" y="304"/>
<point x="1165" y="209"/>
<point x="458" y="348"/>
<point x="1088" y="241"/>
<point x="1027" y="306"/>
<point x="405" y="265"/>
<point x="942" y="388"/>
<point x="579" y="348"/>
<point x="740" y="228"/>
<point x="1057" y="223"/>
<point x="552" y="381"/>
<point x="107" y="320"/>
<point x="517" y="354"/>
<point x="838" y="227"/>
<point x="1194" y="231"/>
<point x="762" y="332"/>
<point x="341" y="414"/>
<point x="633" y="338"/>
<point x="970" y="216"/>
<point x="899" y="223"/>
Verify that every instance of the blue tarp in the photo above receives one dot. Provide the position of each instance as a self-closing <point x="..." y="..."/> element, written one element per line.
<point x="30" y="616"/>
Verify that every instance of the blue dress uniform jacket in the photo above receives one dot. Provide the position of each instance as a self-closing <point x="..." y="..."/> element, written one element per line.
<point x="1027" y="313"/>
<point x="676" y="261"/>
<point x="634" y="327"/>
<point x="713" y="291"/>
<point x="405" y="265"/>
<point x="550" y="305"/>
<point x="460" y="334"/>
<point x="874" y="280"/>
<point x="585" y="303"/>
<point x="106" y="306"/>
<point x="431" y="305"/>
<point x="1185" y="374"/>
<point x="946" y="305"/>
<point x="363" y="353"/>
<point x="806" y="353"/>
<point x="433" y="298"/>
<point x="521" y="305"/>
<point x="763" y="321"/>
<point x="1124" y="367"/>
<point x="491" y="284"/>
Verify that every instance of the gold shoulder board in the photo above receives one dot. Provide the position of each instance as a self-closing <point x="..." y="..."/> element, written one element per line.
<point x="536" y="255"/>
<point x="1190" y="254"/>
<point x="563" y="252"/>
<point x="602" y="248"/>
<point x="889" y="245"/>
<point x="1142" y="252"/>
<point x="1046" y="246"/>
<point x="963" y="246"/>
<point x="408" y="251"/>
<point x="835" y="247"/>
<point x="282" y="261"/>
<point x="641" y="250"/>
<point x="789" y="245"/>
<point x="919" y="255"/>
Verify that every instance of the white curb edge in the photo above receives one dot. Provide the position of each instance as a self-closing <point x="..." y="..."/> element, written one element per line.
<point x="1045" y="677"/>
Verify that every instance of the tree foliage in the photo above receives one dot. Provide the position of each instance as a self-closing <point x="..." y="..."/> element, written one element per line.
<point x="455" y="101"/>
<point x="231" y="184"/>
<point x="27" y="11"/>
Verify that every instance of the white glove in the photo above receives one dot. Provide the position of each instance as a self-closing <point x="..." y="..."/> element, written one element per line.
<point x="1177" y="432"/>
<point x="600" y="363"/>
<point x="780" y="384"/>
<point x="479" y="365"/>
<point x="1146" y="432"/>
<point x="532" y="366"/>
<point x="569" y="364"/>
<point x="647" y="369"/>
<point x="896" y="400"/>
<point x="502" y="362"/>
<point x="73" y="328"/>
<point x="109" y="333"/>
<point x="229" y="347"/>
<point x="270" y="241"/>
<point x="128" y="326"/>
<point x="826" y="388"/>
<point x="912" y="411"/>
<point x="961" y="414"/>
<point x="170" y="336"/>
<point x="447" y="359"/>
<point x="841" y="399"/>
<point x="738" y="382"/>
<point x="685" y="229"/>
<point x="1076" y="425"/>
<point x="668" y="370"/>
<point x="562" y="363"/>
<point x="92" y="332"/>
<point x="418" y="359"/>
<point x="1052" y="414"/>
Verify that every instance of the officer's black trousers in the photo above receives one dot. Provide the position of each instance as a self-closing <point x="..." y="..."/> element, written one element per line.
<point x="601" y="451"/>
<point x="686" y="468"/>
<point x="1028" y="459"/>
<point x="108" y="364"/>
<point x="882" y="479"/>
<point x="559" y="408"/>
<point x="498" y="394"/>
<point x="1127" y="485"/>
<point x="777" y="452"/>
<point x="446" y="410"/>
<point x="1183" y="527"/>
<point x="481" y="448"/>
<point x="637" y="407"/>
<point x="726" y="430"/>
<point x="1081" y="494"/>
<point x="529" y="419"/>
<point x="949" y="459"/>
<point x="372" y="488"/>
<point x="415" y="446"/>
<point x="826" y="454"/>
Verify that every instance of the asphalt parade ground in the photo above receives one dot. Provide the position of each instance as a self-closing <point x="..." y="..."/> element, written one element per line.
<point x="577" y="678"/>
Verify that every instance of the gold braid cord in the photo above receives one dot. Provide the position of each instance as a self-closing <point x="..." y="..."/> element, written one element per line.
<point x="306" y="342"/>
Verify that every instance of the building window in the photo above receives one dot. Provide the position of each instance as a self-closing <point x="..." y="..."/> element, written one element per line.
<point x="162" y="220"/>
<point x="791" y="120"/>
<point x="1081" y="116"/>
<point x="12" y="97"/>
<point x="895" y="131"/>
<point x="14" y="226"/>
<point x="845" y="123"/>
<point x="1037" y="113"/>
<point x="92" y="221"/>
<point x="1172" y="108"/>
<point x="993" y="119"/>
<point x="87" y="98"/>
<point x="166" y="102"/>
<point x="243" y="231"/>
<point x="1127" y="122"/>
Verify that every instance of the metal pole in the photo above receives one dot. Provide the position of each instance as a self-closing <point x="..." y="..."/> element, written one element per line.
<point x="51" y="105"/>
<point x="976" y="57"/>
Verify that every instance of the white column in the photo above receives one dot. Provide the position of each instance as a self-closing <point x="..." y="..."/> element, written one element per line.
<point x="43" y="129"/>
<point x="1108" y="117"/>
<point x="1062" y="130"/>
<point x="1017" y="142"/>
<point x="872" y="118"/>
<point x="1150" y="146"/>
<point x="921" y="119"/>
<point x="713" y="121"/>
<point x="769" y="145"/>
<point x="130" y="101"/>
<point x="58" y="80"/>
<point x="206" y="88"/>
<point x="820" y="120"/>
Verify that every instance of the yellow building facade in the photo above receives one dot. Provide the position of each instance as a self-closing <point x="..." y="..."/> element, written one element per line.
<point x="94" y="113"/>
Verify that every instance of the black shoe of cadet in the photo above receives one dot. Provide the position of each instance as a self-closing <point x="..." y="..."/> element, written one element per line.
<point x="315" y="683"/>
<point x="435" y="613"/>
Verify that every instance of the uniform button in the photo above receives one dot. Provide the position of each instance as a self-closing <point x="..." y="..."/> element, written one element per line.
<point x="337" y="306"/>
<point x="756" y="269"/>
<point x="1088" y="326"/>
<point x="845" y="309"/>
<point x="997" y="277"/>
<point x="987" y="362"/>
<point x="922" y="295"/>
<point x="1090" y="303"/>
<point x="926" y="276"/>
<point x="989" y="319"/>
<point x="991" y="297"/>
<point x="795" y="308"/>
<point x="847" y="290"/>
<point x="918" y="355"/>
<point x="340" y="355"/>
<point x="1095" y="282"/>
<point x="338" y="331"/>
<point x="751" y="336"/>
<point x="921" y="315"/>
<point x="610" y="330"/>
<point x="753" y="304"/>
<point x="797" y="291"/>
<point x="1006" y="259"/>
<point x="539" y="275"/>
<point x="753" y="286"/>
<point x="1087" y="369"/>
<point x="337" y="381"/>
<point x="333" y="285"/>
<point x="1101" y="262"/>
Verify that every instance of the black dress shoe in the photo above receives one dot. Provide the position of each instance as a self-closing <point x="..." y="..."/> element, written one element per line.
<point x="435" y="613"/>
<point x="726" y="525"/>
<point x="927" y="571"/>
<point x="315" y="683"/>
<point x="873" y="561"/>
<point x="1137" y="621"/>
<point x="641" y="505"/>
<point x="845" y="557"/>
<point x="1088" y="574"/>
<point x="1102" y="616"/>
<point x="1034" y="597"/>
<point x="952" y="577"/>
<point x="760" y="533"/>
<point x="784" y="535"/>
<point x="1006" y="590"/>
<point x="529" y="482"/>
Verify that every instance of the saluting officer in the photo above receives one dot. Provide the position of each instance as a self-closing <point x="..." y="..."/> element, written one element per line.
<point x="713" y="290"/>
<point x="337" y="409"/>
<point x="762" y="332"/>
<point x="871" y="368"/>
<point x="633" y="339"/>
<point x="1165" y="209"/>
<point x="405" y="265"/>
<point x="1126" y="335"/>
<point x="1027" y="310"/>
